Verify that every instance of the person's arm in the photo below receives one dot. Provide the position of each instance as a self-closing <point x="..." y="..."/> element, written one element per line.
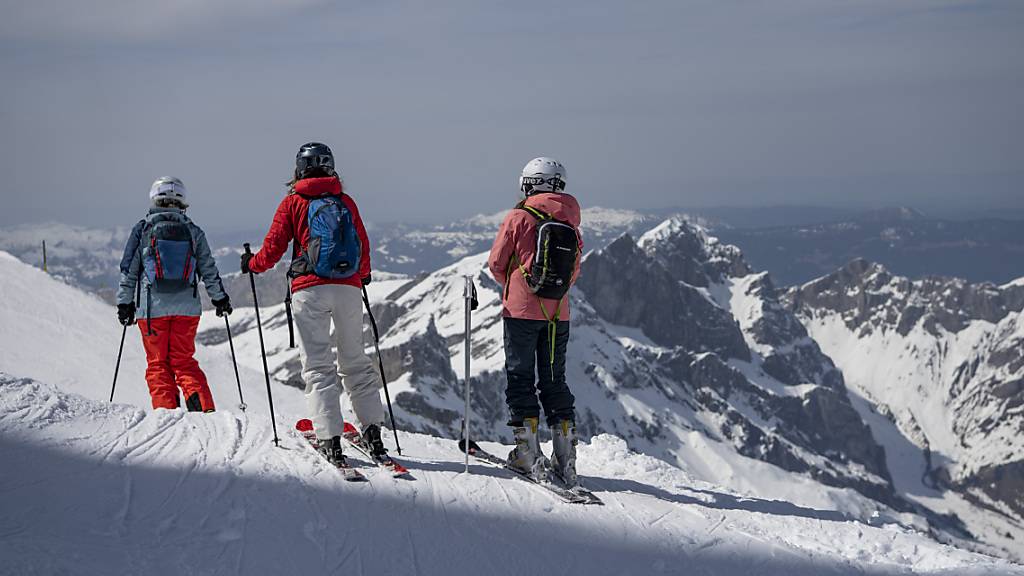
<point x="505" y="243"/>
<point x="275" y="244"/>
<point x="207" y="266"/>
<point x="131" y="264"/>
<point x="364" y="239"/>
<point x="579" y="257"/>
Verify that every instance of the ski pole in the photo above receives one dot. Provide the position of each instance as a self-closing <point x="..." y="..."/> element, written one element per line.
<point x="466" y="294"/>
<point x="380" y="364"/>
<point x="241" y="401"/>
<point x="288" y="313"/>
<point x="117" y="367"/>
<point x="263" y="349"/>
<point x="469" y="294"/>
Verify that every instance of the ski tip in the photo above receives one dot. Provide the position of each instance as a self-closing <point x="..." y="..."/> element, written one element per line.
<point x="304" y="425"/>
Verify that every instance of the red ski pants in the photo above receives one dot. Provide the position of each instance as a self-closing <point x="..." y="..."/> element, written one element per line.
<point x="170" y="364"/>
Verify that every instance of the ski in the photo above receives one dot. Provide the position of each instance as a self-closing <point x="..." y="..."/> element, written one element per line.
<point x="355" y="439"/>
<point x="348" y="472"/>
<point x="577" y="495"/>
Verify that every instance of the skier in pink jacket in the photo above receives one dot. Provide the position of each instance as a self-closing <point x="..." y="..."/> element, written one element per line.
<point x="536" y="259"/>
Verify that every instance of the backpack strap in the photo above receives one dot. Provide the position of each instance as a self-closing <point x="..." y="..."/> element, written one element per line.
<point x="538" y="214"/>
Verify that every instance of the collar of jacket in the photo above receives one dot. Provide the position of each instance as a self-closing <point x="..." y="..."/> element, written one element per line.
<point x="316" y="187"/>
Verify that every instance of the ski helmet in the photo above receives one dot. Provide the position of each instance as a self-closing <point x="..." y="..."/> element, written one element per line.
<point x="542" y="175"/>
<point x="168" y="188"/>
<point x="313" y="158"/>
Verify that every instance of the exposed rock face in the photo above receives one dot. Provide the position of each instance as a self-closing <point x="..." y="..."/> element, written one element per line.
<point x="868" y="296"/>
<point x="627" y="286"/>
<point x="945" y="358"/>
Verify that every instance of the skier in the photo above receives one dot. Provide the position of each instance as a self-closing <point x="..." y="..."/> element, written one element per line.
<point x="536" y="258"/>
<point x="330" y="264"/>
<point x="164" y="259"/>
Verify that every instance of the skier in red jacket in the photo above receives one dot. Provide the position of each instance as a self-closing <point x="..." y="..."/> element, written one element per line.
<point x="318" y="299"/>
<point x="536" y="258"/>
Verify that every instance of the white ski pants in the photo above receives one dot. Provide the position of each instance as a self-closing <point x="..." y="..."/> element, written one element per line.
<point x="313" y="309"/>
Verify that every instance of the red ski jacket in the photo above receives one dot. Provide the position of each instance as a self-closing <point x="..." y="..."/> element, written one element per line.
<point x="290" y="224"/>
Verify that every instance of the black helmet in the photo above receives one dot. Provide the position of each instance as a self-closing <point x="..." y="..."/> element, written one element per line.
<point x="314" y="159"/>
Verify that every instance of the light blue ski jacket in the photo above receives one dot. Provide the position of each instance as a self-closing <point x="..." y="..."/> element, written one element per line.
<point x="134" y="284"/>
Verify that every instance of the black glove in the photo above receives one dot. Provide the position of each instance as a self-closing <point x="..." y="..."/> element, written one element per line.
<point x="367" y="279"/>
<point x="245" y="263"/>
<point x="126" y="314"/>
<point x="223" y="306"/>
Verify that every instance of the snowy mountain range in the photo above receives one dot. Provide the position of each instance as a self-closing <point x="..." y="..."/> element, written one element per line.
<point x="91" y="487"/>
<point x="681" y="350"/>
<point x="942" y="360"/>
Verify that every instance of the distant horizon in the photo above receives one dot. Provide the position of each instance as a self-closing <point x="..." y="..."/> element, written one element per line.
<point x="713" y="211"/>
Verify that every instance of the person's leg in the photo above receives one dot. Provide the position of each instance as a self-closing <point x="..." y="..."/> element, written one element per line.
<point x="521" y="342"/>
<point x="311" y="309"/>
<point x="159" y="378"/>
<point x="187" y="374"/>
<point x="358" y="371"/>
<point x="558" y="402"/>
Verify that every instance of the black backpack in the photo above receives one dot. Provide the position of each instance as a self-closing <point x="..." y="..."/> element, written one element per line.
<point x="554" y="261"/>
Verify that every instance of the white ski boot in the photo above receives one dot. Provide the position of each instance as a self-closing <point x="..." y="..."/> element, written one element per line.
<point x="563" y="458"/>
<point x="526" y="457"/>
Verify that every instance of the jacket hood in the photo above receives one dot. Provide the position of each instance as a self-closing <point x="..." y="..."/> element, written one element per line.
<point x="316" y="187"/>
<point x="560" y="206"/>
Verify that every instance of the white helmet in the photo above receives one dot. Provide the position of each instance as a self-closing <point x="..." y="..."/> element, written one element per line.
<point x="168" y="188"/>
<point x="542" y="175"/>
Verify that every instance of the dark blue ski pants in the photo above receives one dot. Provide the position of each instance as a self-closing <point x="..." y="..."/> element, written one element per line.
<point x="531" y="373"/>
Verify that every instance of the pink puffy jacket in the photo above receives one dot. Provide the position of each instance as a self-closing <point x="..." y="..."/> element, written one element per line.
<point x="518" y="235"/>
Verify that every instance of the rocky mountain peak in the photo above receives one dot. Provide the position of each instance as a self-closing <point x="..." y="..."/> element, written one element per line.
<point x="691" y="254"/>
<point x="627" y="285"/>
<point x="870" y="297"/>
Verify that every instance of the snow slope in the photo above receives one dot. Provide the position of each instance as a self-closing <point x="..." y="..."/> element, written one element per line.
<point x="89" y="487"/>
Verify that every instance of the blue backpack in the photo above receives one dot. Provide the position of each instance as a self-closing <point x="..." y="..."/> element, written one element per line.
<point x="333" y="250"/>
<point x="168" y="256"/>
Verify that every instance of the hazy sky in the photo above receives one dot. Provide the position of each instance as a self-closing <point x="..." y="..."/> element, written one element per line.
<point x="432" y="108"/>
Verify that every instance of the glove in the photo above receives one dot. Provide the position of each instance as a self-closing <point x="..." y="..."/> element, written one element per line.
<point x="367" y="279"/>
<point x="223" y="306"/>
<point x="126" y="314"/>
<point x="245" y="263"/>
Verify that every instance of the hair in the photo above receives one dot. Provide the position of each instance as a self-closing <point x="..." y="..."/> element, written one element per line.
<point x="164" y="202"/>
<point x="313" y="173"/>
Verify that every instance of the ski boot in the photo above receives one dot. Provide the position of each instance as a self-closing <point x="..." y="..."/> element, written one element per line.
<point x="563" y="458"/>
<point x="372" y="441"/>
<point x="331" y="449"/>
<point x="527" y="457"/>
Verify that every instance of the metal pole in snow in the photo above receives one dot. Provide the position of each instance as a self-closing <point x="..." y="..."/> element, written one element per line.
<point x="44" y="257"/>
<point x="469" y="294"/>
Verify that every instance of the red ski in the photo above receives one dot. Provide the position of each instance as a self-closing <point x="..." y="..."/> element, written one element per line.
<point x="305" y="427"/>
<point x="355" y="439"/>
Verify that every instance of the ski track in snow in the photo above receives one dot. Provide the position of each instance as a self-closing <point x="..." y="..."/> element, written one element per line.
<point x="88" y="487"/>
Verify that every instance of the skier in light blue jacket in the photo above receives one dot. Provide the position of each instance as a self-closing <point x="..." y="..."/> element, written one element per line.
<point x="164" y="259"/>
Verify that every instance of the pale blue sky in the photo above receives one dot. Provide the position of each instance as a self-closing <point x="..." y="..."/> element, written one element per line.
<point x="433" y="107"/>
